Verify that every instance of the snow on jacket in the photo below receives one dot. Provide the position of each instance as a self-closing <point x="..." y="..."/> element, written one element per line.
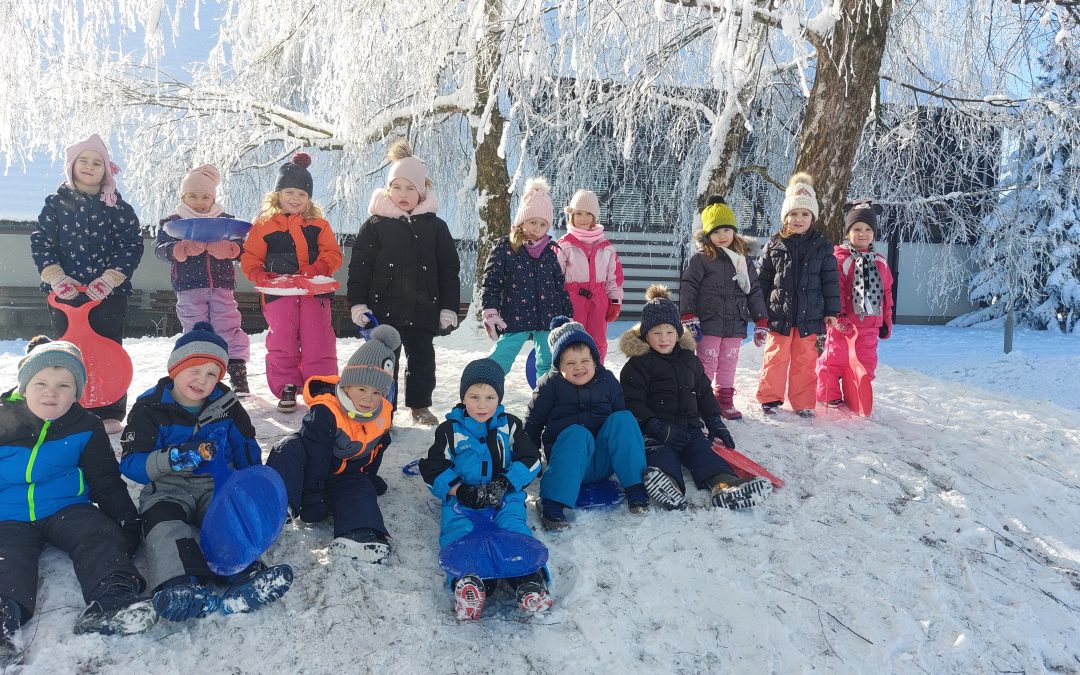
<point x="670" y="387"/>
<point x="471" y="452"/>
<point x="288" y="244"/>
<point x="528" y="292"/>
<point x="710" y="291"/>
<point x="82" y="235"/>
<point x="157" y="421"/>
<point x="798" y="280"/>
<point x="846" y="267"/>
<point x="594" y="267"/>
<point x="47" y="465"/>
<point x="404" y="267"/>
<point x="556" y="404"/>
<point x="197" y="271"/>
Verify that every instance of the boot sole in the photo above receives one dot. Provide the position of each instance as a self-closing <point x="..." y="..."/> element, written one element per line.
<point x="207" y="601"/>
<point x="371" y="552"/>
<point x="133" y="619"/>
<point x="469" y="608"/>
<point x="268" y="586"/>
<point x="663" y="490"/>
<point x="744" y="496"/>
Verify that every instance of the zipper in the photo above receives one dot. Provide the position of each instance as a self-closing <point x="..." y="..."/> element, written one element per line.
<point x="30" y="470"/>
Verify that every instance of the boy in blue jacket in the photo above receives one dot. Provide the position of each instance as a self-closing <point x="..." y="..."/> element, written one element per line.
<point x="177" y="432"/>
<point x="482" y="458"/>
<point x="55" y="460"/>
<point x="579" y="413"/>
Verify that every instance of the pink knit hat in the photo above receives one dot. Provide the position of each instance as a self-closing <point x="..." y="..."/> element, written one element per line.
<point x="204" y="179"/>
<point x="535" y="203"/>
<point x="411" y="169"/>
<point x="584" y="200"/>
<point x="108" y="183"/>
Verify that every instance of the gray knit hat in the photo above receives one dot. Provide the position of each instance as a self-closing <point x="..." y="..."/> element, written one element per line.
<point x="659" y="309"/>
<point x="45" y="353"/>
<point x="564" y="333"/>
<point x="483" y="371"/>
<point x="373" y="363"/>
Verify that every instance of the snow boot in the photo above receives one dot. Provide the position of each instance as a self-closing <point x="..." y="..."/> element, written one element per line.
<point x="288" y="399"/>
<point x="424" y="416"/>
<point x="637" y="499"/>
<point x="835" y="403"/>
<point x="726" y="398"/>
<point x="805" y="413"/>
<point x="532" y="596"/>
<point x="255" y="587"/>
<point x="238" y="376"/>
<point x="772" y="407"/>
<point x="552" y="518"/>
<point x="185" y="598"/>
<point x="364" y="544"/>
<point x="730" y="492"/>
<point x="663" y="489"/>
<point x="469" y="596"/>
<point x="10" y="617"/>
<point x="116" y="609"/>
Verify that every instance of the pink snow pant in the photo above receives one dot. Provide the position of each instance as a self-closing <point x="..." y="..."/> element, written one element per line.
<point x="719" y="356"/>
<point x="301" y="342"/>
<point x="591" y="312"/>
<point x="218" y="306"/>
<point x="789" y="365"/>
<point x="834" y="358"/>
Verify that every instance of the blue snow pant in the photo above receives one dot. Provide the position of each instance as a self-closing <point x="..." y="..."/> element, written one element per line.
<point x="697" y="455"/>
<point x="578" y="457"/>
<point x="509" y="344"/>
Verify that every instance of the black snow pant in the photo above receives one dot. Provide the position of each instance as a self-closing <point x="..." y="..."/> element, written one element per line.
<point x="697" y="455"/>
<point x="108" y="320"/>
<point x="91" y="539"/>
<point x="419" y="345"/>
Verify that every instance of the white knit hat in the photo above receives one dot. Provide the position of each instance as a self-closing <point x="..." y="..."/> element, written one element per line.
<point x="584" y="200"/>
<point x="800" y="194"/>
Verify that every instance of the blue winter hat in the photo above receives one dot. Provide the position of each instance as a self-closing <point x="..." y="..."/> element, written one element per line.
<point x="201" y="345"/>
<point x="565" y="332"/>
<point x="44" y="353"/>
<point x="483" y="371"/>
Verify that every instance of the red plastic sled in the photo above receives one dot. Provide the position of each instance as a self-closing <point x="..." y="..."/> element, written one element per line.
<point x="108" y="366"/>
<point x="744" y="466"/>
<point x="855" y="382"/>
<point x="297" y="284"/>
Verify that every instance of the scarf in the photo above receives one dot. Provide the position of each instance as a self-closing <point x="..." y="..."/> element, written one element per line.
<point x="587" y="237"/>
<point x="742" y="277"/>
<point x="185" y="211"/>
<point x="535" y="248"/>
<point x="867" y="292"/>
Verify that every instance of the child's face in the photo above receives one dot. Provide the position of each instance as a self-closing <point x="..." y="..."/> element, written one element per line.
<point x="722" y="237"/>
<point x="51" y="392"/>
<point x="88" y="171"/>
<point x="293" y="200"/>
<point x="364" y="398"/>
<point x="404" y="194"/>
<point x="534" y="228"/>
<point x="481" y="400"/>
<point x="662" y="338"/>
<point x="583" y="220"/>
<point x="576" y="365"/>
<point x="192" y="385"/>
<point x="861" y="236"/>
<point x="799" y="220"/>
<point x="199" y="202"/>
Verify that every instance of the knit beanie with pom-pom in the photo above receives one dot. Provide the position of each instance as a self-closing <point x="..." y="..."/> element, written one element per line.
<point x="535" y="203"/>
<point x="800" y="194"/>
<point x="295" y="174"/>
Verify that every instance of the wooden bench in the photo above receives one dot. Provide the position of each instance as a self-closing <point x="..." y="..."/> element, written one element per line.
<point x="23" y="311"/>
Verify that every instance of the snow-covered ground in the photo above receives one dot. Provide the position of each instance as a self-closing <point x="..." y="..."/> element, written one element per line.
<point x="940" y="536"/>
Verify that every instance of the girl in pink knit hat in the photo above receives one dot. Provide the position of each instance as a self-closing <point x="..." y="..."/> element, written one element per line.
<point x="87" y="235"/>
<point x="594" y="275"/>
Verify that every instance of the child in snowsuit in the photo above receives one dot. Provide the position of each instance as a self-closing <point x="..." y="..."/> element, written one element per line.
<point x="594" y="275"/>
<point x="798" y="280"/>
<point x="588" y="434"/>
<point x="179" y="434"/>
<point x="671" y="398"/>
<point x="203" y="274"/>
<point x="523" y="286"/>
<point x="720" y="293"/>
<point x="88" y="235"/>
<point x="332" y="464"/>
<point x="290" y="236"/>
<point x="482" y="458"/>
<point x="404" y="270"/>
<point x="866" y="301"/>
<point x="55" y="463"/>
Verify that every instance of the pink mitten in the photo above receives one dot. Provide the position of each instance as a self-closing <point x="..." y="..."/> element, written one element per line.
<point x="493" y="323"/>
<point x="222" y="250"/>
<point x="185" y="248"/>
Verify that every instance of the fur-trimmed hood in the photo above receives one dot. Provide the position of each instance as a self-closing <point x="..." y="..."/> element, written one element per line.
<point x="632" y="344"/>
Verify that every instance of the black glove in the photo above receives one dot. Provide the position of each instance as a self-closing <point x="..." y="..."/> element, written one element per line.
<point x="494" y="491"/>
<point x="378" y="482"/>
<point x="884" y="332"/>
<point x="717" y="429"/>
<point x="313" y="507"/>
<point x="667" y="434"/>
<point x="132" y="529"/>
<point x="471" y="496"/>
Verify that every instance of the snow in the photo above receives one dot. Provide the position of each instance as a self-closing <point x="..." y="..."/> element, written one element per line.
<point x="940" y="535"/>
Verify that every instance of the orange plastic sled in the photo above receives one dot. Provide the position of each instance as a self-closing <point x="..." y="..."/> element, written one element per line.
<point x="108" y="366"/>
<point x="744" y="466"/>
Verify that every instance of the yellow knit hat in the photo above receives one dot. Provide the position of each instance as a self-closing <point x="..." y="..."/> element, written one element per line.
<point x="717" y="214"/>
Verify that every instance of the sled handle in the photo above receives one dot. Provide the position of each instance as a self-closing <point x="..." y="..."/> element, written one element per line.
<point x="54" y="302"/>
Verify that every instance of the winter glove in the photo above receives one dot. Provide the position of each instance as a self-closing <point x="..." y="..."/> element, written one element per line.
<point x="471" y="496"/>
<point x="493" y="323"/>
<point x="447" y="319"/>
<point x="222" y="250"/>
<point x="885" y="331"/>
<point x="495" y="491"/>
<point x="761" y="332"/>
<point x="188" y="456"/>
<point x="100" y="288"/>
<point x="185" y="248"/>
<point x="63" y="285"/>
<point x="667" y="434"/>
<point x="691" y="323"/>
<point x="359" y="315"/>
<point x="718" y="430"/>
<point x="613" y="311"/>
<point x="132" y="530"/>
<point x="313" y="508"/>
<point x="262" y="278"/>
<point x="378" y="483"/>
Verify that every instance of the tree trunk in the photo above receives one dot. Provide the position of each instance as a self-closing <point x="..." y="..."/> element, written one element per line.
<point x="846" y="78"/>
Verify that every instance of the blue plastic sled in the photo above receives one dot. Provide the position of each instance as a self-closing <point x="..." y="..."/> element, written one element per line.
<point x="365" y="334"/>
<point x="207" y="229"/>
<point x="245" y="517"/>
<point x="491" y="552"/>
<point x="599" y="494"/>
<point x="530" y="369"/>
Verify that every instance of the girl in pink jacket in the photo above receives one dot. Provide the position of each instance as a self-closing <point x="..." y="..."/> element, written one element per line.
<point x="866" y="301"/>
<point x="594" y="275"/>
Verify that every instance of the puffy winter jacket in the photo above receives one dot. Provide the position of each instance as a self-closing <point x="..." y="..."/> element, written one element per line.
<point x="846" y="267"/>
<point x="47" y="465"/>
<point x="289" y="244"/>
<point x="596" y="268"/>
<point x="528" y="292"/>
<point x="798" y="280"/>
<point x="710" y="291"/>
<point x="557" y="404"/>
<point x="670" y="387"/>
<point x="197" y="271"/>
<point x="404" y="267"/>
<point x="78" y="232"/>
